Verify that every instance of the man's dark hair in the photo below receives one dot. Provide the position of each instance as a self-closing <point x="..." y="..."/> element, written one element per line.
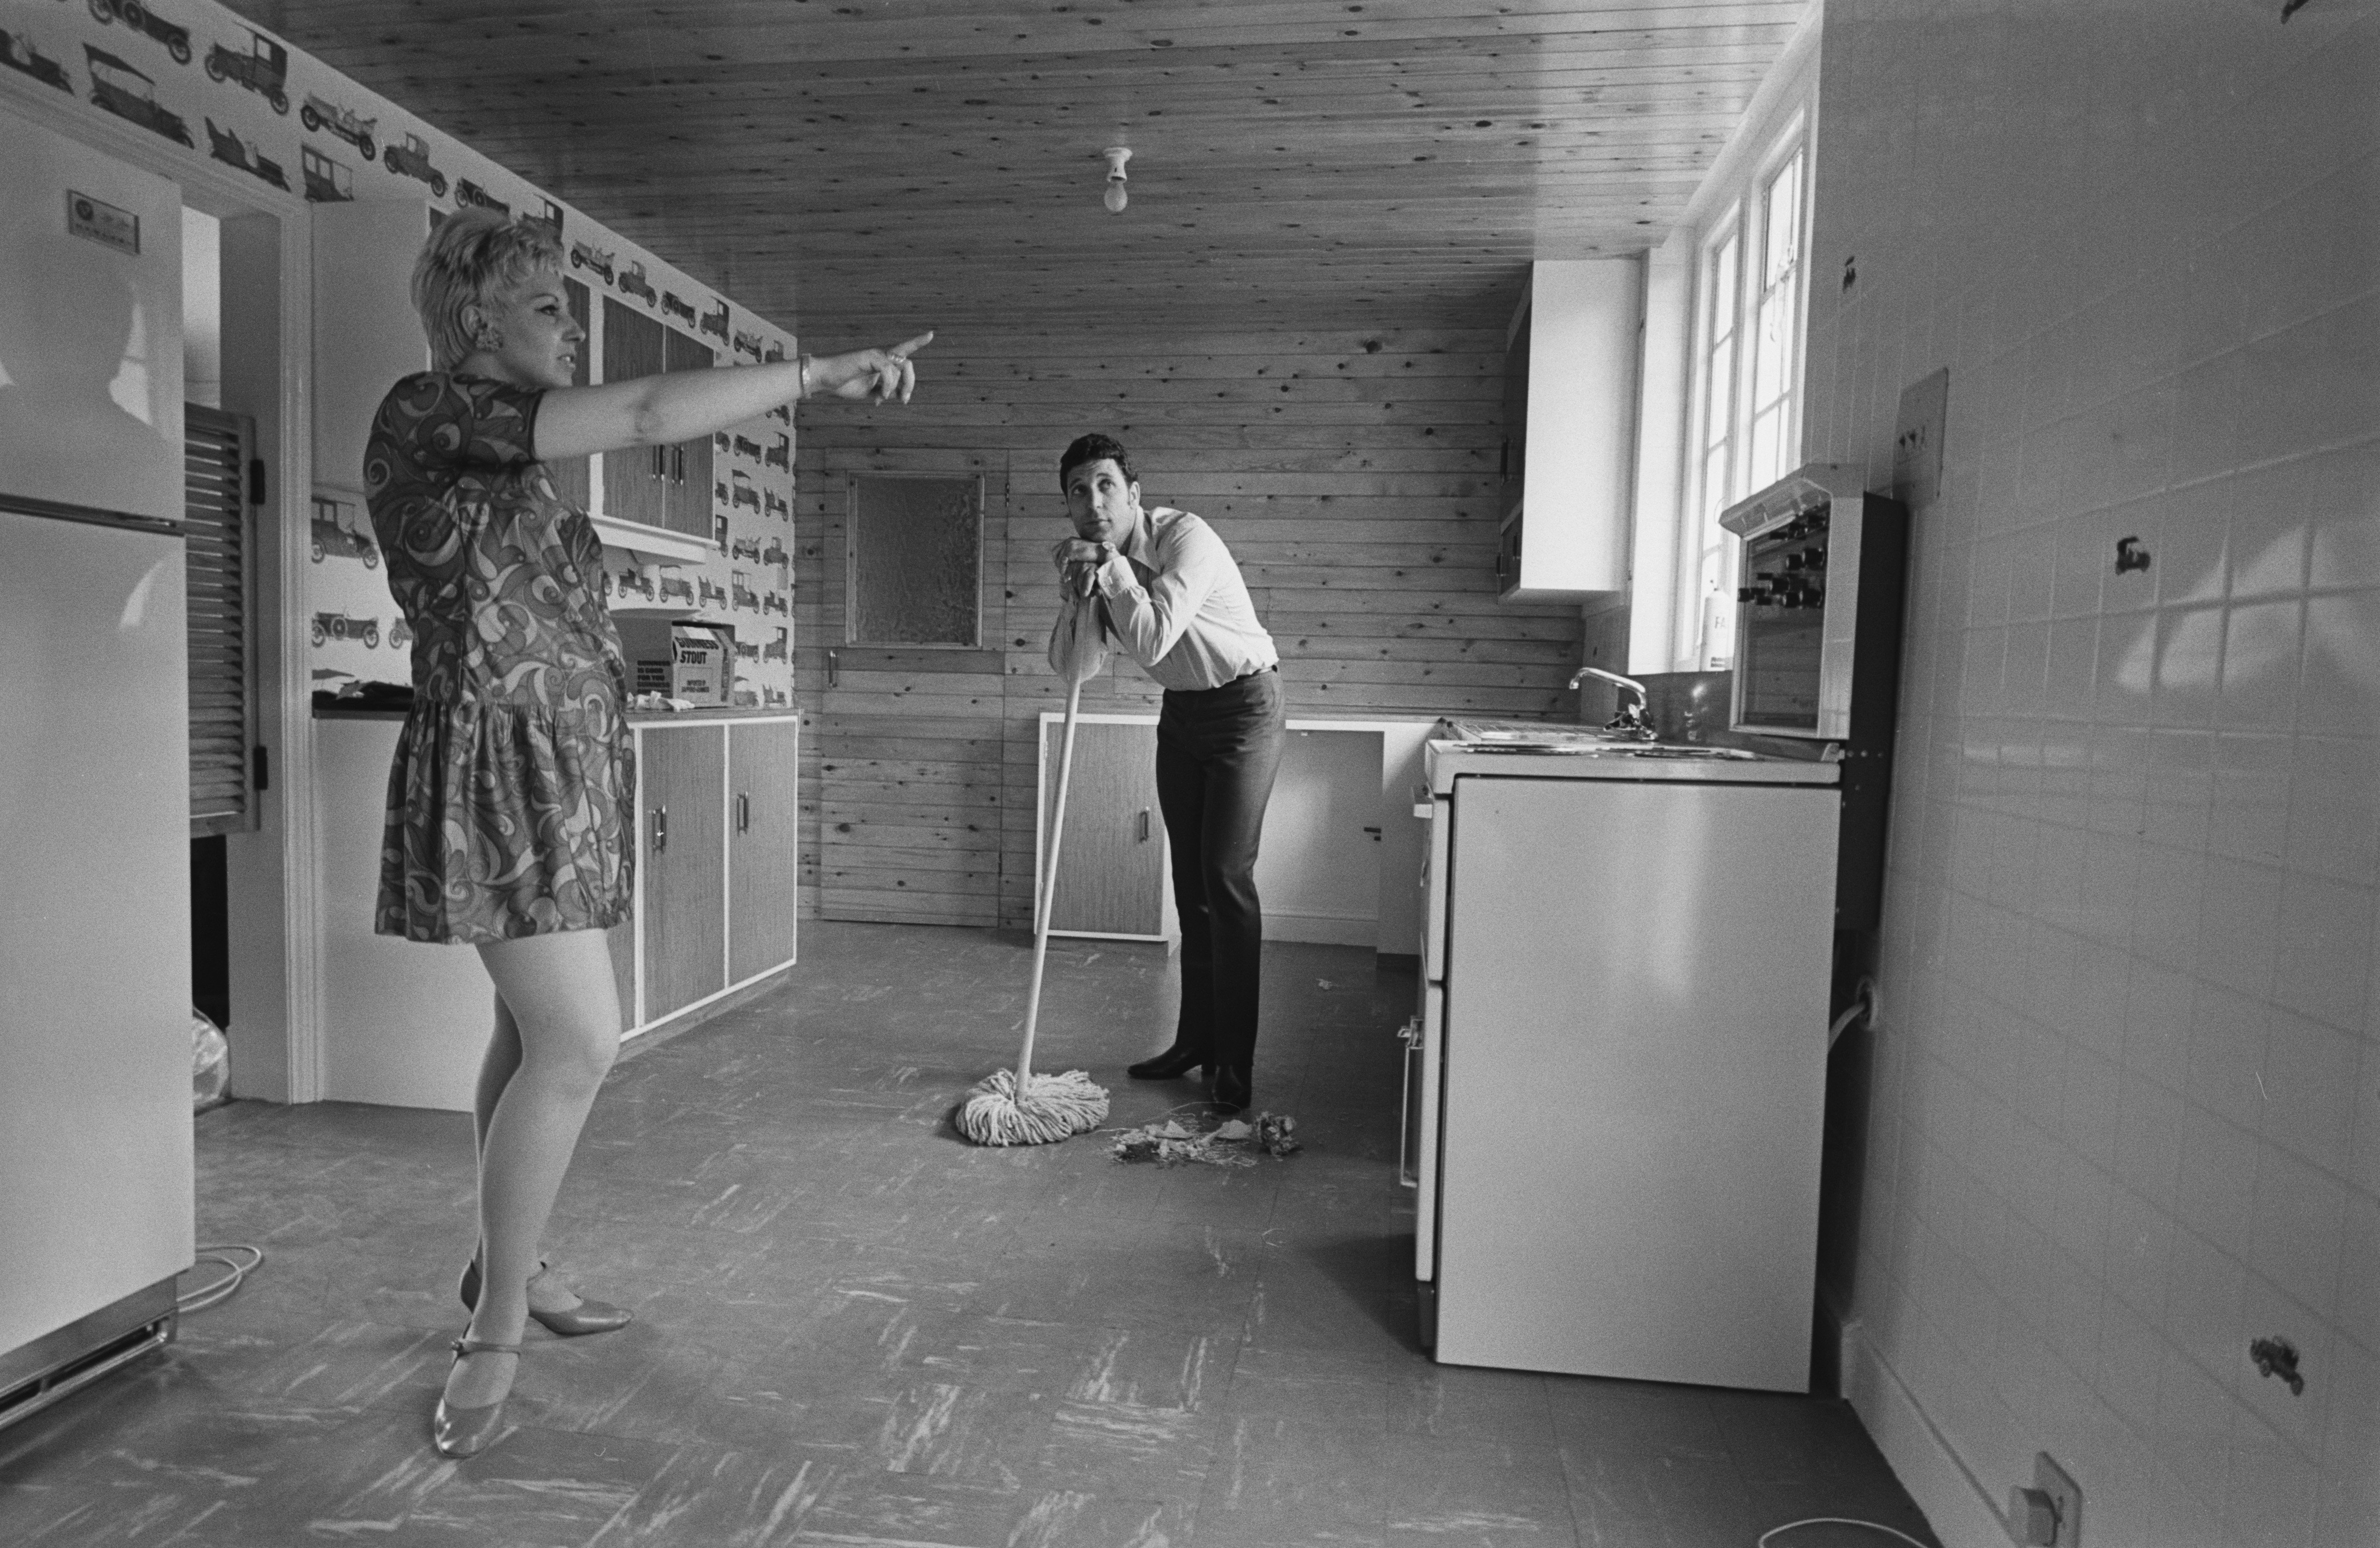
<point x="1095" y="447"/>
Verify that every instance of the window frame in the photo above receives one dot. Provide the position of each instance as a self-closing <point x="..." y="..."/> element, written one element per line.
<point x="1741" y="214"/>
<point x="853" y="560"/>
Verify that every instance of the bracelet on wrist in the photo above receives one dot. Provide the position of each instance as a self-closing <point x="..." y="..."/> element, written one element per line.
<point x="805" y="388"/>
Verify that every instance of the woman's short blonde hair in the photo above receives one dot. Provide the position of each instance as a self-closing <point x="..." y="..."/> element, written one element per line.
<point x="474" y="257"/>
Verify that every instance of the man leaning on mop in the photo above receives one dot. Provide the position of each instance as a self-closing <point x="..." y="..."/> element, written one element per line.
<point x="1160" y="586"/>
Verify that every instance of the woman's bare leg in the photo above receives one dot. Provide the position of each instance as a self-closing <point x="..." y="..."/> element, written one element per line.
<point x="556" y="992"/>
<point x="504" y="1056"/>
<point x="547" y="1291"/>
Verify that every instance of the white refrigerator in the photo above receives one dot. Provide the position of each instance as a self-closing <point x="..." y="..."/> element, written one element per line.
<point x="1626" y="1050"/>
<point x="96" y="1200"/>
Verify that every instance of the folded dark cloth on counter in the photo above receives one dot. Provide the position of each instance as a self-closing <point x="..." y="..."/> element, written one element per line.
<point x="366" y="696"/>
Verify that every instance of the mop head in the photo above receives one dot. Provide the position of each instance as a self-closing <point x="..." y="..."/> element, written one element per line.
<point x="1052" y="1107"/>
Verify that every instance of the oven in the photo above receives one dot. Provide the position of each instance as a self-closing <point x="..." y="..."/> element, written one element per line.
<point x="1818" y="601"/>
<point x="1818" y="645"/>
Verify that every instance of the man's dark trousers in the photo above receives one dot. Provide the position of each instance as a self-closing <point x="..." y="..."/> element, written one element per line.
<point x="1217" y="751"/>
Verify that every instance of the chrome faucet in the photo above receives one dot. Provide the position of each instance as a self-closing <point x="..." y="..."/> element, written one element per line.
<point x="1632" y="720"/>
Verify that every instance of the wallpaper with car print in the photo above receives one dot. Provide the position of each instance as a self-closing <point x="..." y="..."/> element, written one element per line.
<point x="205" y="81"/>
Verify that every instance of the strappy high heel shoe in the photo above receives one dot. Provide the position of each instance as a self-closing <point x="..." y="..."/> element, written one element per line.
<point x="588" y="1316"/>
<point x="467" y="1431"/>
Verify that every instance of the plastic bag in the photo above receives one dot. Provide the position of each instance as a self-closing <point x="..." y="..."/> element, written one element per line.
<point x="210" y="1063"/>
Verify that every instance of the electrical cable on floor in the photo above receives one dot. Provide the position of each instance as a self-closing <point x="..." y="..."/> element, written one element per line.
<point x="220" y="1290"/>
<point x="1837" y="1521"/>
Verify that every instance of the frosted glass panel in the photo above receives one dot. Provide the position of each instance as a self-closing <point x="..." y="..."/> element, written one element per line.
<point x="917" y="554"/>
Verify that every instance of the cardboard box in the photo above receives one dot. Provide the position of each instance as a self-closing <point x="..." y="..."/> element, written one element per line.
<point x="694" y="661"/>
<point x="701" y="663"/>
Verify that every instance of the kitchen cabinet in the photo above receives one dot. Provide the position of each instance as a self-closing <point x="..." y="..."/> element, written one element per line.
<point x="1572" y="357"/>
<point x="717" y="829"/>
<point x="572" y="477"/>
<point x="1341" y="839"/>
<point x="1111" y="867"/>
<point x="405" y="1024"/>
<point x="763" y="827"/>
<point x="681" y="780"/>
<point x="665" y="486"/>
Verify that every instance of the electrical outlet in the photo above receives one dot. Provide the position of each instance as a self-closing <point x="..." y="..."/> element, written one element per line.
<point x="1917" y="439"/>
<point x="2048" y="1515"/>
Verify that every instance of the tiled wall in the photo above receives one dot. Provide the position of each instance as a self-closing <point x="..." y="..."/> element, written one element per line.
<point x="2125" y="1105"/>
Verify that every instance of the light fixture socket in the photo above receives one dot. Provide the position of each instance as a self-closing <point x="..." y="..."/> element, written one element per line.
<point x="1115" y="198"/>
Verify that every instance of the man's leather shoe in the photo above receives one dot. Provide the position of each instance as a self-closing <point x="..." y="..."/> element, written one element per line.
<point x="1175" y="1061"/>
<point x="1231" y="1085"/>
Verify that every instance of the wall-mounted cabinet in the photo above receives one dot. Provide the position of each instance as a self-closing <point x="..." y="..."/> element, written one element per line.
<point x="1570" y="431"/>
<point x="572" y="478"/>
<point x="658" y="486"/>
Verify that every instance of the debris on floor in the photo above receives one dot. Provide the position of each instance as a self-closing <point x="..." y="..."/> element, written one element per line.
<point x="1231" y="1142"/>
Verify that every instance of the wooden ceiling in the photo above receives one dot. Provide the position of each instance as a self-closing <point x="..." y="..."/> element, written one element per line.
<point x="857" y="162"/>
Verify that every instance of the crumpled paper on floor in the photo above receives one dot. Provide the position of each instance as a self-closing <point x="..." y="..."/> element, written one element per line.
<point x="1231" y="1142"/>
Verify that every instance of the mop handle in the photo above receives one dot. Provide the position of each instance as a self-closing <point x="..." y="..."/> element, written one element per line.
<point x="1049" y="890"/>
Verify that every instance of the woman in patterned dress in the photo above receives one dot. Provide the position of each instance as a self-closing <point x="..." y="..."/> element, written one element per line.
<point x="508" y="805"/>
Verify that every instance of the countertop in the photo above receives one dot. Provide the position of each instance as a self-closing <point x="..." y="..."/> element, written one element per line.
<point x="1448" y="759"/>
<point x="635" y="717"/>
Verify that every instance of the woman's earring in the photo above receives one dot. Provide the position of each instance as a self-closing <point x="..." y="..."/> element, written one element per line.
<point x="487" y="340"/>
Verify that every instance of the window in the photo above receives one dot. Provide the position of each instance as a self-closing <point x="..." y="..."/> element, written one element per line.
<point x="916" y="561"/>
<point x="1746" y="393"/>
<point x="221" y="526"/>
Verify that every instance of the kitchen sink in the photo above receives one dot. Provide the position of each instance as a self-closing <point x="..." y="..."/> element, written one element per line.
<point x="1580" y="748"/>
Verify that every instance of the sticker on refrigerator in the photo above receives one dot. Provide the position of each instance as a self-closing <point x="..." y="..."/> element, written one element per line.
<point x="98" y="221"/>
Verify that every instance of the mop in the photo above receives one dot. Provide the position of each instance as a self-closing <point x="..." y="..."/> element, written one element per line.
<point x="1023" y="1108"/>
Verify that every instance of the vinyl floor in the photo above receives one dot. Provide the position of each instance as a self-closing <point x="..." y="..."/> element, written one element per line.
<point x="854" y="1328"/>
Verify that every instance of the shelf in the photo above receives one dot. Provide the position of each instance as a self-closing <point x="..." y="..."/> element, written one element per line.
<point x="686" y="610"/>
<point x="657" y="544"/>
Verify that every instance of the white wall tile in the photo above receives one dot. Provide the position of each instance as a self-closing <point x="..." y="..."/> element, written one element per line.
<point x="2133" y="938"/>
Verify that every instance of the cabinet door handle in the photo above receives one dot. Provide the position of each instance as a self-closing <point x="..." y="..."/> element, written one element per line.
<point x="660" y="829"/>
<point x="1143" y="825"/>
<point x="743" y="812"/>
<point x="833" y="667"/>
<point x="678" y="464"/>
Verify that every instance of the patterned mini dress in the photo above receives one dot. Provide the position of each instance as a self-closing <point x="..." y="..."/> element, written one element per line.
<point x="510" y="797"/>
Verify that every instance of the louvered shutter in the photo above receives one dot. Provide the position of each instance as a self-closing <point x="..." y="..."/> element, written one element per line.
<point x="216" y="450"/>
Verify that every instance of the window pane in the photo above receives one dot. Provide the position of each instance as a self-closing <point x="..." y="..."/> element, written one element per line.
<point x="1723" y="300"/>
<point x="1782" y="221"/>
<point x="1767" y="447"/>
<point x="1769" y="349"/>
<point x="1715" y="490"/>
<point x="916" y="561"/>
<point x="1718" y="405"/>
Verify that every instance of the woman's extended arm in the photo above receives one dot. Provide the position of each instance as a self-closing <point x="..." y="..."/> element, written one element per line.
<point x="680" y="405"/>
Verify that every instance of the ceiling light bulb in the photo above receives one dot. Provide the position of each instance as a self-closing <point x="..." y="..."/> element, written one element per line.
<point x="1116" y="199"/>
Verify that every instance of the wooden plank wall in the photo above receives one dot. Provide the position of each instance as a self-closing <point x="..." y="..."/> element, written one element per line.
<point x="1352" y="471"/>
